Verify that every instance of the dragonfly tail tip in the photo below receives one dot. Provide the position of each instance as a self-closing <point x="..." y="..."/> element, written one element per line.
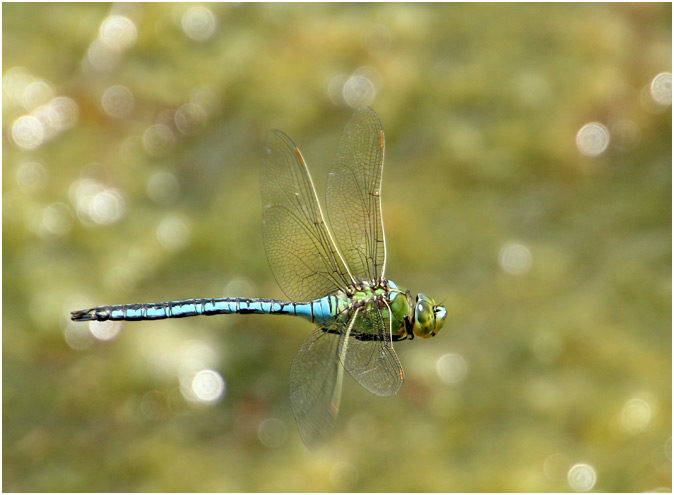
<point x="82" y="315"/>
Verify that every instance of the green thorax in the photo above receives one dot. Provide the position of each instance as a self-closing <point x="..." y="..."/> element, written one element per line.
<point x="395" y="306"/>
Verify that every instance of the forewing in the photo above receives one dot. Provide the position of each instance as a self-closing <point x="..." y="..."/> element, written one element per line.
<point x="316" y="387"/>
<point x="354" y="195"/>
<point x="372" y="363"/>
<point x="301" y="253"/>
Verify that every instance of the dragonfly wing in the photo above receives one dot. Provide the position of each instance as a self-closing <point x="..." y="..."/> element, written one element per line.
<point x="300" y="249"/>
<point x="316" y="387"/>
<point x="372" y="363"/>
<point x="354" y="195"/>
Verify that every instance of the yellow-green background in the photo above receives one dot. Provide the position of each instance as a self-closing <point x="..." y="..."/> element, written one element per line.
<point x="481" y="105"/>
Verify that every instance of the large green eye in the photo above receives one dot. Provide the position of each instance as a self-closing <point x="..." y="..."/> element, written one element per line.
<point x="428" y="317"/>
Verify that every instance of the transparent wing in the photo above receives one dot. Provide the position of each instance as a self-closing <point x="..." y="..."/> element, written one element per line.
<point x="300" y="250"/>
<point x="371" y="362"/>
<point x="317" y="372"/>
<point x="316" y="387"/>
<point x="354" y="195"/>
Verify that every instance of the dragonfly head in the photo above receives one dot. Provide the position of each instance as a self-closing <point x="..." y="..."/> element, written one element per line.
<point x="428" y="317"/>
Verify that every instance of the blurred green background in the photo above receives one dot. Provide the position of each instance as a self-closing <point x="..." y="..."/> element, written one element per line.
<point x="131" y="147"/>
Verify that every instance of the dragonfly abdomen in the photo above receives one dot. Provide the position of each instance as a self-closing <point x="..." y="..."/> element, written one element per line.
<point x="317" y="310"/>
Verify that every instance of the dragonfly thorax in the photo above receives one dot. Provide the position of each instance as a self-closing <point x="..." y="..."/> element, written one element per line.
<point x="396" y="307"/>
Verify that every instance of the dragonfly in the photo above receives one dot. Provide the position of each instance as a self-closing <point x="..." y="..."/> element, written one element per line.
<point x="333" y="276"/>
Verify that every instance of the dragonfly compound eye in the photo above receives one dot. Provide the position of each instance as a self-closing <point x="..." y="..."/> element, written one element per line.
<point x="428" y="317"/>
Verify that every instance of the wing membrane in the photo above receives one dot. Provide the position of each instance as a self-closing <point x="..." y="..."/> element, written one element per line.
<point x="300" y="250"/>
<point x="372" y="363"/>
<point x="316" y="387"/>
<point x="354" y="195"/>
<point x="309" y="263"/>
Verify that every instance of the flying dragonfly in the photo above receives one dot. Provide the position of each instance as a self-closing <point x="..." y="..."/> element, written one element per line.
<point x="333" y="277"/>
